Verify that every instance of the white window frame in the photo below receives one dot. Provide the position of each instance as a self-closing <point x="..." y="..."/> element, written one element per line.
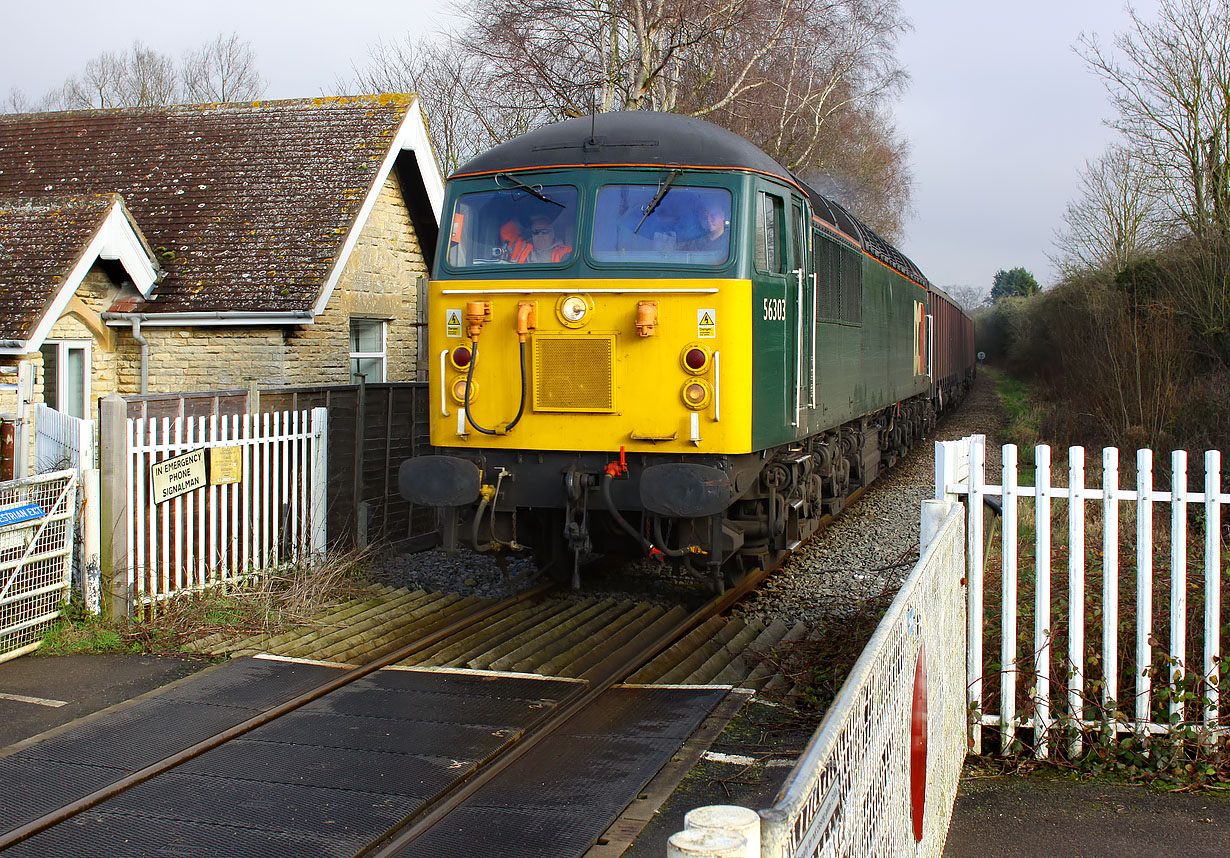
<point x="63" y="347"/>
<point x="382" y="355"/>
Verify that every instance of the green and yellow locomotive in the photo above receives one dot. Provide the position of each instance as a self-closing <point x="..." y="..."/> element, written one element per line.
<point x="645" y="333"/>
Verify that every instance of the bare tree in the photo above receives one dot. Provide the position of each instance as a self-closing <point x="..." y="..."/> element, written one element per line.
<point x="787" y="74"/>
<point x="1170" y="85"/>
<point x="968" y="298"/>
<point x="100" y="85"/>
<point x="151" y="78"/>
<point x="862" y="163"/>
<point x="1113" y="223"/>
<point x="17" y="102"/>
<point x="463" y="117"/>
<point x="776" y="70"/>
<point x="222" y="70"/>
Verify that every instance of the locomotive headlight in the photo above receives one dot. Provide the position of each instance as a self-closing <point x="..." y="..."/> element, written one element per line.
<point x="460" y="358"/>
<point x="695" y="359"/>
<point x="572" y="310"/>
<point x="459" y="391"/>
<point x="696" y="394"/>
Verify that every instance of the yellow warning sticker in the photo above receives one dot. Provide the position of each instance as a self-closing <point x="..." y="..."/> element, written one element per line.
<point x="452" y="323"/>
<point x="706" y="323"/>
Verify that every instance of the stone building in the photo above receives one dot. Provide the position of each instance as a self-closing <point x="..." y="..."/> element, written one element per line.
<point x="201" y="247"/>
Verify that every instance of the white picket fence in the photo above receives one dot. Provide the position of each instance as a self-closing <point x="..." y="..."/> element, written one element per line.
<point x="1086" y="683"/>
<point x="273" y="514"/>
<point x="62" y="441"/>
<point x="879" y="777"/>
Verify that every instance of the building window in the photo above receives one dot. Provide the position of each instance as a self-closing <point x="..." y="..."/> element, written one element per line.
<point x="367" y="353"/>
<point x="66" y="376"/>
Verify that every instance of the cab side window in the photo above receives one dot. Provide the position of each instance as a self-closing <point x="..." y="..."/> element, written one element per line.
<point x="770" y="233"/>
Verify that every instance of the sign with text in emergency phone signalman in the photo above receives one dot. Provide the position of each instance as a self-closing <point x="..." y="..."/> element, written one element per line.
<point x="706" y="324"/>
<point x="178" y="475"/>
<point x="452" y="323"/>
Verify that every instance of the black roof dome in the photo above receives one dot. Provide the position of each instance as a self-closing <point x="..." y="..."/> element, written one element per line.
<point x="645" y="138"/>
<point x="634" y="137"/>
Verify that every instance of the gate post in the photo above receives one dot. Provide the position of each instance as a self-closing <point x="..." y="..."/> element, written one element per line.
<point x="320" y="482"/>
<point x="114" y="466"/>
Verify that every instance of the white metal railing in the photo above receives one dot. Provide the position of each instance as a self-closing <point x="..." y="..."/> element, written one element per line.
<point x="62" y="441"/>
<point x="880" y="775"/>
<point x="36" y="543"/>
<point x="272" y="512"/>
<point x="1135" y="589"/>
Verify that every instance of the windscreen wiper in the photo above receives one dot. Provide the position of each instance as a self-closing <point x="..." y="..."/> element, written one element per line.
<point x="657" y="198"/>
<point x="535" y="191"/>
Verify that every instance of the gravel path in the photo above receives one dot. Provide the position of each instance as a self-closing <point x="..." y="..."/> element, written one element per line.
<point x="866" y="553"/>
<point x="872" y="547"/>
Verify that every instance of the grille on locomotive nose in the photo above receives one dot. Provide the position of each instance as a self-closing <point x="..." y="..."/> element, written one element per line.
<point x="574" y="373"/>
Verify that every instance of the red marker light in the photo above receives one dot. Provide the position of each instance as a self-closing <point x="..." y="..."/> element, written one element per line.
<point x="461" y="357"/>
<point x="696" y="359"/>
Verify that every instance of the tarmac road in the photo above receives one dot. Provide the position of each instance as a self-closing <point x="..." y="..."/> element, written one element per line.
<point x="1046" y="816"/>
<point x="38" y="692"/>
<point x="996" y="816"/>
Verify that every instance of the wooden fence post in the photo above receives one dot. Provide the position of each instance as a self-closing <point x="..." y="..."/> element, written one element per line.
<point x="114" y="466"/>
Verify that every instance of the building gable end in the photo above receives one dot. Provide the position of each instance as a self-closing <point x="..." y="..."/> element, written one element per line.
<point x="117" y="239"/>
<point x="412" y="136"/>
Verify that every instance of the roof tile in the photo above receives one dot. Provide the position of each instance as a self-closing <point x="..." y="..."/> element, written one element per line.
<point x="40" y="242"/>
<point x="220" y="191"/>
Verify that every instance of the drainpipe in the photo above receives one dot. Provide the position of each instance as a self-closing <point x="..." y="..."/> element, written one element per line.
<point x="135" y="319"/>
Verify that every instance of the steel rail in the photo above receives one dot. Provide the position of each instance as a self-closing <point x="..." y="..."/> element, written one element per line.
<point x="598" y="680"/>
<point x="470" y="618"/>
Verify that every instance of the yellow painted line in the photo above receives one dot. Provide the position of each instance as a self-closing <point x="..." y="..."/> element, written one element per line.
<point x="38" y="701"/>
<point x="743" y="760"/>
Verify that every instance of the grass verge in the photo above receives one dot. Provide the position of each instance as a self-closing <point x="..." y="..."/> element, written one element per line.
<point x="266" y="603"/>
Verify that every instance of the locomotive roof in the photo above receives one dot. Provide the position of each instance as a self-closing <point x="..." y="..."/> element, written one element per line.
<point x="634" y="137"/>
<point x="646" y="138"/>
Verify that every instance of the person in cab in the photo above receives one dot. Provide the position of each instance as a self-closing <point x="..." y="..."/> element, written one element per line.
<point x="543" y="245"/>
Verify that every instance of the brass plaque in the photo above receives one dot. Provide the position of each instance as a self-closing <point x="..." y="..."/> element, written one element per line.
<point x="225" y="465"/>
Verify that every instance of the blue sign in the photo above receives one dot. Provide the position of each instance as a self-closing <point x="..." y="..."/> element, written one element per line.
<point x="18" y="514"/>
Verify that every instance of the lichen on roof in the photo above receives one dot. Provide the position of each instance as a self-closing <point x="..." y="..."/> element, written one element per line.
<point x="228" y="185"/>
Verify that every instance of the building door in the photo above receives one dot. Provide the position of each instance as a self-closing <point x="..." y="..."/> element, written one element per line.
<point x="66" y="376"/>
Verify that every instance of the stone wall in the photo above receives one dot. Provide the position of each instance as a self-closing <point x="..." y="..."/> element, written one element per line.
<point x="380" y="281"/>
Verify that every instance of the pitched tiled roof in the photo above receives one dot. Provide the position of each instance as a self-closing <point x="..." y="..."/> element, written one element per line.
<point x="245" y="205"/>
<point x="40" y="243"/>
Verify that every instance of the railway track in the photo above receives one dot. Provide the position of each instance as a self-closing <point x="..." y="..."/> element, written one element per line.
<point x="630" y="650"/>
<point x="600" y="643"/>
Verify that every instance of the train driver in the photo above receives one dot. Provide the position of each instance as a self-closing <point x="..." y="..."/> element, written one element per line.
<point x="713" y="235"/>
<point x="542" y="246"/>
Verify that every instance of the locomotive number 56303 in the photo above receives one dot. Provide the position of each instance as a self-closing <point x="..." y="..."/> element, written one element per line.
<point x="775" y="309"/>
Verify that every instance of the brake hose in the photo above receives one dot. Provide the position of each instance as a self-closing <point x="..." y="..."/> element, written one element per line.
<point x="469" y="381"/>
<point x="649" y="548"/>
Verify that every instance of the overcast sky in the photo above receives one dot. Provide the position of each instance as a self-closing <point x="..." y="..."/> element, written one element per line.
<point x="1000" y="112"/>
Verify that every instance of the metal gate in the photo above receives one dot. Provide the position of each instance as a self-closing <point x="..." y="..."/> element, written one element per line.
<point x="37" y="517"/>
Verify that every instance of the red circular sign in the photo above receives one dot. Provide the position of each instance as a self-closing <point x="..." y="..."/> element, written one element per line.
<point x="918" y="744"/>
